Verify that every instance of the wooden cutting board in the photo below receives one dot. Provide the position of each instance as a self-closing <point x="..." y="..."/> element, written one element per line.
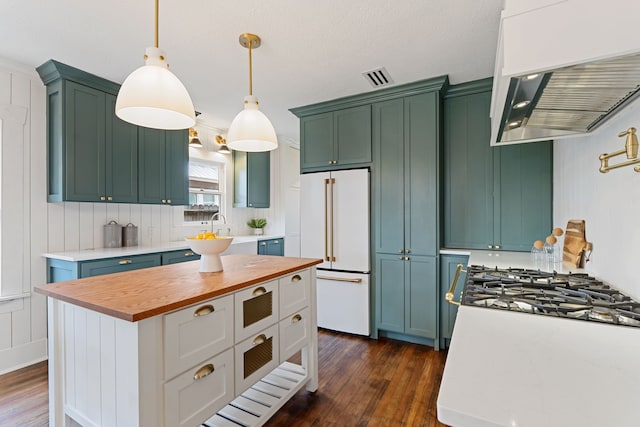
<point x="575" y="243"/>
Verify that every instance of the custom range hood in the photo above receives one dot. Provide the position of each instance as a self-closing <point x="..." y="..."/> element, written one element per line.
<point x="563" y="67"/>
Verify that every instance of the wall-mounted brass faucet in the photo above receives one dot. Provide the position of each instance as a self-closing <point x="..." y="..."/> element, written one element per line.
<point x="630" y="149"/>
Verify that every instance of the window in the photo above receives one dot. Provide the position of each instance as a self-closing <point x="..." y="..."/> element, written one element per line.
<point x="206" y="191"/>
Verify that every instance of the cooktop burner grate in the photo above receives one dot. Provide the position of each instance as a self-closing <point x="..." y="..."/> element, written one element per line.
<point x="572" y="295"/>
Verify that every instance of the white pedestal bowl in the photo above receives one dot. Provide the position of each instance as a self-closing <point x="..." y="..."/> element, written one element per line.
<point x="209" y="251"/>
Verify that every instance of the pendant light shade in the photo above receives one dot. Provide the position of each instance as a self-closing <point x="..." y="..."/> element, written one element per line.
<point x="194" y="141"/>
<point x="152" y="96"/>
<point x="224" y="149"/>
<point x="251" y="130"/>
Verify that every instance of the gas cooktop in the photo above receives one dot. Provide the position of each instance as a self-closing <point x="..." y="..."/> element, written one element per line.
<point x="573" y="295"/>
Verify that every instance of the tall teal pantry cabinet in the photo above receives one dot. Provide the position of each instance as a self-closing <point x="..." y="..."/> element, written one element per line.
<point x="396" y="133"/>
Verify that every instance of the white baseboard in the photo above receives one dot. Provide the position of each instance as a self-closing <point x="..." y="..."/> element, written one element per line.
<point x="23" y="355"/>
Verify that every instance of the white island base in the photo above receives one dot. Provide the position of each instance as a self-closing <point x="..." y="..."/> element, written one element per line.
<point x="209" y="363"/>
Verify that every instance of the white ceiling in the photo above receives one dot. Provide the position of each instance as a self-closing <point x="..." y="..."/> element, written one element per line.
<point x="311" y="50"/>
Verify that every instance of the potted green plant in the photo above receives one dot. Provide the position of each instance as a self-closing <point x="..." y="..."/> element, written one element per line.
<point x="257" y="224"/>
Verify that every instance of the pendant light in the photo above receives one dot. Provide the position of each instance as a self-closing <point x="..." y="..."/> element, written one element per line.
<point x="194" y="141"/>
<point x="152" y="96"/>
<point x="251" y="130"/>
<point x="224" y="149"/>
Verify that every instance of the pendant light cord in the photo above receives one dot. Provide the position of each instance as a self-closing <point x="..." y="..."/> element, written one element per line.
<point x="156" y="32"/>
<point x="250" y="69"/>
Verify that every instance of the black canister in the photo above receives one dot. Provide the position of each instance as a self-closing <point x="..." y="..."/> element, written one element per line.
<point x="130" y="235"/>
<point x="112" y="235"/>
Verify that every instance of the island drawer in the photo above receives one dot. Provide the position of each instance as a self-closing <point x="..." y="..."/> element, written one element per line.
<point x="196" y="333"/>
<point x="194" y="395"/>
<point x="295" y="333"/>
<point x="294" y="292"/>
<point x="255" y="309"/>
<point x="256" y="357"/>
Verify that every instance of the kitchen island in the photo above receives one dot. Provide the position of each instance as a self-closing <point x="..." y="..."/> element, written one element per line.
<point x="169" y="346"/>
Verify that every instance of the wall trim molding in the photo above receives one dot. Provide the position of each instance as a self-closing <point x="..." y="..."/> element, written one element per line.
<point x="14" y="358"/>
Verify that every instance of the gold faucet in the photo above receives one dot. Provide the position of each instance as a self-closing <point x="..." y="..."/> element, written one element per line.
<point x="224" y="220"/>
<point x="630" y="149"/>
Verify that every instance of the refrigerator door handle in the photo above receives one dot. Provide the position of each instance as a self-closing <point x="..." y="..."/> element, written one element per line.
<point x="331" y="182"/>
<point x="339" y="279"/>
<point x="326" y="218"/>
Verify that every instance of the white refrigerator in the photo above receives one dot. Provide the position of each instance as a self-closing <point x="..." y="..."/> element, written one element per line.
<point x="334" y="226"/>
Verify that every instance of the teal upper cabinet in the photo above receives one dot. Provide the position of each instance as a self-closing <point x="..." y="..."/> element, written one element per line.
<point x="336" y="139"/>
<point x="164" y="166"/>
<point x="92" y="153"/>
<point x="121" y="177"/>
<point x="494" y="198"/>
<point x="406" y="137"/>
<point x="251" y="178"/>
<point x="93" y="156"/>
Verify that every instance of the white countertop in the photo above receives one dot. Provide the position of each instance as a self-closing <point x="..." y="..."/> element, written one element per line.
<point x="518" y="370"/>
<point x="102" y="253"/>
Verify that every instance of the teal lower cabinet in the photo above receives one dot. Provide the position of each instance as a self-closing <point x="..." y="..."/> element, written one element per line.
<point x="60" y="270"/>
<point x="406" y="305"/>
<point x="448" y="312"/>
<point x="271" y="247"/>
<point x="116" y="265"/>
<point x="175" y="257"/>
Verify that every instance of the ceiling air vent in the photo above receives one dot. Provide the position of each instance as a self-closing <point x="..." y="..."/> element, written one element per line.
<point x="378" y="77"/>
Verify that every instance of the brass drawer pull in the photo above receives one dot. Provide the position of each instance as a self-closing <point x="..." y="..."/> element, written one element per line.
<point x="450" y="294"/>
<point x="296" y="318"/>
<point x="296" y="278"/>
<point x="203" y="372"/>
<point x="125" y="261"/>
<point x="260" y="339"/>
<point x="204" y="310"/>
<point x="259" y="291"/>
<point x="188" y="253"/>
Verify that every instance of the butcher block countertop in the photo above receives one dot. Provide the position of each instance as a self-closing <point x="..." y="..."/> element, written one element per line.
<point x="140" y="294"/>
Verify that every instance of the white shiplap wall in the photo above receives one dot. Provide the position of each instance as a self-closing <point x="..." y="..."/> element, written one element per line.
<point x="31" y="226"/>
<point x="24" y="216"/>
<point x="610" y="202"/>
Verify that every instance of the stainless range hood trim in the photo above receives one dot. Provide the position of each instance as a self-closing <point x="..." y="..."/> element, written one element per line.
<point x="571" y="100"/>
<point x="546" y="36"/>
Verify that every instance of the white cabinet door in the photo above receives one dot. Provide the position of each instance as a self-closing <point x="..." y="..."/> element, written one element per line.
<point x="196" y="333"/>
<point x="295" y="292"/>
<point x="195" y="395"/>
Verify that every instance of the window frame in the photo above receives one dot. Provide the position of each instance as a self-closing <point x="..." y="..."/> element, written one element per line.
<point x="221" y="192"/>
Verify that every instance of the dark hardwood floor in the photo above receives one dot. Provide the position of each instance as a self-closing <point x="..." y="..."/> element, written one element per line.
<point x="363" y="382"/>
<point x="24" y="399"/>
